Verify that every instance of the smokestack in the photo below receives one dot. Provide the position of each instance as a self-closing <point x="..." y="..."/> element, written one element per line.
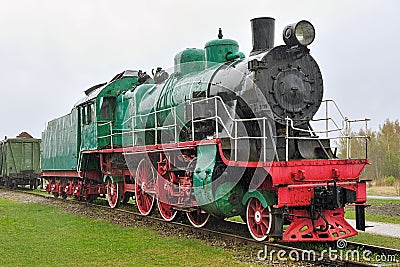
<point x="263" y="30"/>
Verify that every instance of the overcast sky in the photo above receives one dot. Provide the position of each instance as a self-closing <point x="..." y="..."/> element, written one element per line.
<point x="51" y="51"/>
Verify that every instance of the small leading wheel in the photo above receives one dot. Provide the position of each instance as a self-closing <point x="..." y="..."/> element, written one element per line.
<point x="198" y="218"/>
<point x="144" y="187"/>
<point x="167" y="211"/>
<point x="258" y="219"/>
<point x="113" y="193"/>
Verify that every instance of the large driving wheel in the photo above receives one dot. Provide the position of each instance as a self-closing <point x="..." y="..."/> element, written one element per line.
<point x="164" y="200"/>
<point x="258" y="219"/>
<point x="167" y="211"/>
<point x="114" y="190"/>
<point x="144" y="187"/>
<point x="198" y="218"/>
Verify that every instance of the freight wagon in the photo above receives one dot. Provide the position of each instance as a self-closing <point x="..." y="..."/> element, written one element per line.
<point x="20" y="161"/>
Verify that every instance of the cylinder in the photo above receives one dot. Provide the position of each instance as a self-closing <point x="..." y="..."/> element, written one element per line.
<point x="263" y="31"/>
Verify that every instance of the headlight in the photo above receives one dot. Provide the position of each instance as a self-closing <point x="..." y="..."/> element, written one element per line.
<point x="301" y="33"/>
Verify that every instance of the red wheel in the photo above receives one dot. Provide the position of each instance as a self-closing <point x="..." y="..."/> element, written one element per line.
<point x="167" y="211"/>
<point x="144" y="187"/>
<point x="258" y="219"/>
<point x="113" y="193"/>
<point x="198" y="218"/>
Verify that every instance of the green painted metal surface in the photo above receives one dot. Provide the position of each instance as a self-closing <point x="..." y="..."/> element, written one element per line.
<point x="218" y="50"/>
<point x="113" y="178"/>
<point x="109" y="131"/>
<point x="19" y="155"/>
<point x="202" y="177"/>
<point x="173" y="93"/>
<point x="189" y="60"/>
<point x="228" y="197"/>
<point x="266" y="197"/>
<point x="97" y="121"/>
<point x="226" y="201"/>
<point x="191" y="79"/>
<point x="123" y="123"/>
<point x="102" y="111"/>
<point x="61" y="143"/>
<point x="88" y="128"/>
<point x="132" y="116"/>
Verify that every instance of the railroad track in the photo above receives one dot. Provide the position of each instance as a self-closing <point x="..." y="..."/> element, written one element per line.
<point x="266" y="251"/>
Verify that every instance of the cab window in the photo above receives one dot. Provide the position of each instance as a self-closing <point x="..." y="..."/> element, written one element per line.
<point x="107" y="108"/>
<point x="83" y="115"/>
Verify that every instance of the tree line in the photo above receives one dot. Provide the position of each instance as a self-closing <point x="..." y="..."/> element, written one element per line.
<point x="383" y="151"/>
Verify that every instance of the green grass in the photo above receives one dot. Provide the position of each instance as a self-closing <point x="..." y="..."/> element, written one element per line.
<point x="376" y="240"/>
<point x="351" y="214"/>
<point x="39" y="235"/>
<point x="382" y="201"/>
<point x="235" y="219"/>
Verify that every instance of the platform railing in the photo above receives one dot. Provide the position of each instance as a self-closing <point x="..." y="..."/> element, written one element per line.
<point x="343" y="131"/>
<point x="234" y="136"/>
<point x="143" y="118"/>
<point x="110" y="135"/>
<point x="220" y="112"/>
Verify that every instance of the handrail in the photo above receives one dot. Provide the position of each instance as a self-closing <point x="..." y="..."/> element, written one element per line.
<point x="346" y="135"/>
<point x="327" y="101"/>
<point x="109" y="135"/>
<point x="221" y="111"/>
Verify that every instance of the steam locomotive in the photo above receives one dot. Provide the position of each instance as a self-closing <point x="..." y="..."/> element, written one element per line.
<point x="220" y="134"/>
